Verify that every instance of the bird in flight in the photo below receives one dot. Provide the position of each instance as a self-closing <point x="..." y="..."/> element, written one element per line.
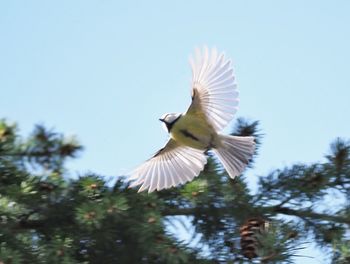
<point x="214" y="103"/>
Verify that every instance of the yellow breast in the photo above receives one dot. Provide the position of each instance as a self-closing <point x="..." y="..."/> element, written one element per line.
<point x="194" y="132"/>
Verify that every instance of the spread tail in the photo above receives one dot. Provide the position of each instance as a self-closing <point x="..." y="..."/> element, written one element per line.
<point x="235" y="153"/>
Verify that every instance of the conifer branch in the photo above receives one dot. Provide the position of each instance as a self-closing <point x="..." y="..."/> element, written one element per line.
<point x="302" y="213"/>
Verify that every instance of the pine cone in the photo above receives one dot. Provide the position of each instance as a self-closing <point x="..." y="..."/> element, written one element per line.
<point x="248" y="232"/>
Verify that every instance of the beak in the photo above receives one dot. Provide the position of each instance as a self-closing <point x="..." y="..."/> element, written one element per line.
<point x="160" y="119"/>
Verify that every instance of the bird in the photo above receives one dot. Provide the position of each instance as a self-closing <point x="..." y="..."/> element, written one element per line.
<point x="199" y="130"/>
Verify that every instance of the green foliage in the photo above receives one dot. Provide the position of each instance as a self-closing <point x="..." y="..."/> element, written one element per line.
<point x="342" y="252"/>
<point x="279" y="243"/>
<point x="46" y="217"/>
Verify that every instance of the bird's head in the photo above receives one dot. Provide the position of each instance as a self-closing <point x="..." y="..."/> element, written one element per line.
<point x="169" y="120"/>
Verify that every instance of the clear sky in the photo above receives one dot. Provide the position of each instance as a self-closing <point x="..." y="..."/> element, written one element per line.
<point x="107" y="70"/>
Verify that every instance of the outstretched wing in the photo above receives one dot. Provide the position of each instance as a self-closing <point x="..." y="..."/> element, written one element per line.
<point x="214" y="92"/>
<point x="172" y="165"/>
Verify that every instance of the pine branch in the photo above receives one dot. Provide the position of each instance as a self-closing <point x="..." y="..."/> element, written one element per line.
<point x="29" y="224"/>
<point x="311" y="214"/>
<point x="270" y="209"/>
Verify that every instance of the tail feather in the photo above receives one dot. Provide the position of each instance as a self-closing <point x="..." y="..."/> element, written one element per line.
<point x="235" y="153"/>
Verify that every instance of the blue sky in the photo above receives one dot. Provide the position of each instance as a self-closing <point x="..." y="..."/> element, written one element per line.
<point x="105" y="71"/>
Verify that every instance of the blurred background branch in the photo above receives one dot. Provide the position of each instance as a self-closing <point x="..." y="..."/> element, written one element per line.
<point x="46" y="216"/>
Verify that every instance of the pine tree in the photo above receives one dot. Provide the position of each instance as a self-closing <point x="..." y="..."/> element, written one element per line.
<point x="48" y="217"/>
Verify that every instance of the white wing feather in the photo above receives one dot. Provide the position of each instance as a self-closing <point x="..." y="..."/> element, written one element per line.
<point x="214" y="90"/>
<point x="172" y="165"/>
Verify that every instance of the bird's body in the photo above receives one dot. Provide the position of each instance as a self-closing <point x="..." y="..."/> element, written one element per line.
<point x="214" y="102"/>
<point x="190" y="130"/>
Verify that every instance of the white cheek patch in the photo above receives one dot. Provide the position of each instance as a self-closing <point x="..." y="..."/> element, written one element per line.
<point x="170" y="118"/>
<point x="164" y="127"/>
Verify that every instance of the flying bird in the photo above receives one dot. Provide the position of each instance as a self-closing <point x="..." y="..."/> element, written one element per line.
<point x="214" y="103"/>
